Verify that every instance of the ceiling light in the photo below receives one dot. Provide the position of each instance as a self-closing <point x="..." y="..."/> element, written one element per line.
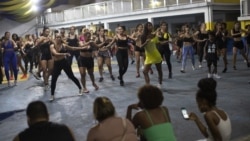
<point x="35" y="1"/>
<point x="34" y="8"/>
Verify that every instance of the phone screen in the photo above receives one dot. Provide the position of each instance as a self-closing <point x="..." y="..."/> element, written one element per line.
<point x="184" y="113"/>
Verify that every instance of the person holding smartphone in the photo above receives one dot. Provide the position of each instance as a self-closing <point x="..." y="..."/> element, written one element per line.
<point x="217" y="120"/>
<point x="154" y="120"/>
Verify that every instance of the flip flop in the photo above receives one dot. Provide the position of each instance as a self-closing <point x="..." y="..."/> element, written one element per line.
<point x="85" y="91"/>
<point x="96" y="88"/>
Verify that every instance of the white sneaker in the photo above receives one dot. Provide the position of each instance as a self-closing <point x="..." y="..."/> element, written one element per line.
<point x="163" y="62"/>
<point x="193" y="67"/>
<point x="159" y="86"/>
<point x="52" y="98"/>
<point x="15" y="83"/>
<point x="216" y="76"/>
<point x="209" y="75"/>
<point x="200" y="66"/>
<point x="80" y="92"/>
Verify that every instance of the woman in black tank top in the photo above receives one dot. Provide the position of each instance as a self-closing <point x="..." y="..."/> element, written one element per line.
<point x="121" y="40"/>
<point x="103" y="54"/>
<point x="28" y="53"/>
<point x="86" y="61"/>
<point x="139" y="52"/>
<point x="59" y="51"/>
<point x="19" y="54"/>
<point x="164" y="49"/>
<point x="201" y="37"/>
<point x="221" y="34"/>
<point x="74" y="42"/>
<point x="46" y="58"/>
<point x="238" y="43"/>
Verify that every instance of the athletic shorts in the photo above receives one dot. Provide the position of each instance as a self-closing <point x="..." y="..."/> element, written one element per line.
<point x="46" y="57"/>
<point x="104" y="54"/>
<point x="139" y="49"/>
<point x="238" y="44"/>
<point x="86" y="62"/>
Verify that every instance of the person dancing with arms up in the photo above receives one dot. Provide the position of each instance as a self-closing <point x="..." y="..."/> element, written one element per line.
<point x="46" y="57"/>
<point x="86" y="61"/>
<point x="148" y="42"/>
<point x="59" y="52"/>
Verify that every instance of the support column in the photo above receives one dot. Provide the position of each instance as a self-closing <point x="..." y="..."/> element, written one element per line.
<point x="208" y="15"/>
<point x="106" y="25"/>
<point x="150" y="19"/>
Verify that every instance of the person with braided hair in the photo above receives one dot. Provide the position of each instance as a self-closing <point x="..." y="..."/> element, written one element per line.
<point x="217" y="120"/>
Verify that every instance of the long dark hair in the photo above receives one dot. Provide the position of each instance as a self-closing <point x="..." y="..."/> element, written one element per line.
<point x="146" y="32"/>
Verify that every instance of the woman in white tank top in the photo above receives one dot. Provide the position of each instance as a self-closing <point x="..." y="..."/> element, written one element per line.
<point x="218" y="122"/>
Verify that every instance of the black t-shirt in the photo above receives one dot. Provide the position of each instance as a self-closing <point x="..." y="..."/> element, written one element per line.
<point x="46" y="131"/>
<point x="211" y="50"/>
<point x="248" y="38"/>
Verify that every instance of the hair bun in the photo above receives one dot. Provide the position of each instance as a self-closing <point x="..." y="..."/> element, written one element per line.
<point x="207" y="84"/>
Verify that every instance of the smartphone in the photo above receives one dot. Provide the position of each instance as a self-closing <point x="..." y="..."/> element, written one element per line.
<point x="184" y="113"/>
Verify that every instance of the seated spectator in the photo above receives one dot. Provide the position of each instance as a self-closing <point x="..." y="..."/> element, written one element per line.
<point x="40" y="129"/>
<point x="110" y="127"/>
<point x="153" y="120"/>
<point x="218" y="122"/>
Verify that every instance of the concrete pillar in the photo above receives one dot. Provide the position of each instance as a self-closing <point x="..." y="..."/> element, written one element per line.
<point x="150" y="19"/>
<point x="106" y="25"/>
<point x="209" y="17"/>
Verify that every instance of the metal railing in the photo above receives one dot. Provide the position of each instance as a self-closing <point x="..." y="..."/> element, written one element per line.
<point x="109" y="8"/>
<point x="245" y="8"/>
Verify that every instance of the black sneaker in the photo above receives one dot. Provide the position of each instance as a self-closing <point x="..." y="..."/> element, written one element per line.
<point x="101" y="79"/>
<point x="112" y="77"/>
<point x="170" y="75"/>
<point x="225" y="70"/>
<point x="234" y="67"/>
<point x="121" y="83"/>
<point x="132" y="62"/>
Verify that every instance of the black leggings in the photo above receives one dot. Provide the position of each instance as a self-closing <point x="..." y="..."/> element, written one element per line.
<point x="200" y="52"/>
<point x="72" y="54"/>
<point x="58" y="67"/>
<point x="167" y="54"/>
<point x="28" y="59"/>
<point x="122" y="59"/>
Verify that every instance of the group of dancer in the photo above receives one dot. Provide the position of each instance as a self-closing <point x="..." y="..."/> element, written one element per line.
<point x="149" y="45"/>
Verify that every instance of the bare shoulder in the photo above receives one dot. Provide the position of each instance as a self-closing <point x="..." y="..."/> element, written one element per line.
<point x="16" y="138"/>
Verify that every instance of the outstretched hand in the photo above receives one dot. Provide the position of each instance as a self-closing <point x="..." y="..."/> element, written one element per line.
<point x="134" y="106"/>
<point x="193" y="116"/>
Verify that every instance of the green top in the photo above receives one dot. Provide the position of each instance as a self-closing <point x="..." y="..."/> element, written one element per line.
<point x="159" y="132"/>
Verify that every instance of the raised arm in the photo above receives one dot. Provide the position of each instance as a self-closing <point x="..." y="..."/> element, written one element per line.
<point x="55" y="53"/>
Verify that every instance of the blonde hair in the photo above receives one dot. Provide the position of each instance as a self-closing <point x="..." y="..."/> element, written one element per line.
<point x="103" y="108"/>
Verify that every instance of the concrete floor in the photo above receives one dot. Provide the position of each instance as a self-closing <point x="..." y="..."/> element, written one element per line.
<point x="76" y="111"/>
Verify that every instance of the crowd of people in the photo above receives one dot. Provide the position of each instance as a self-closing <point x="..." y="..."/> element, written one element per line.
<point x="151" y="123"/>
<point x="52" y="52"/>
